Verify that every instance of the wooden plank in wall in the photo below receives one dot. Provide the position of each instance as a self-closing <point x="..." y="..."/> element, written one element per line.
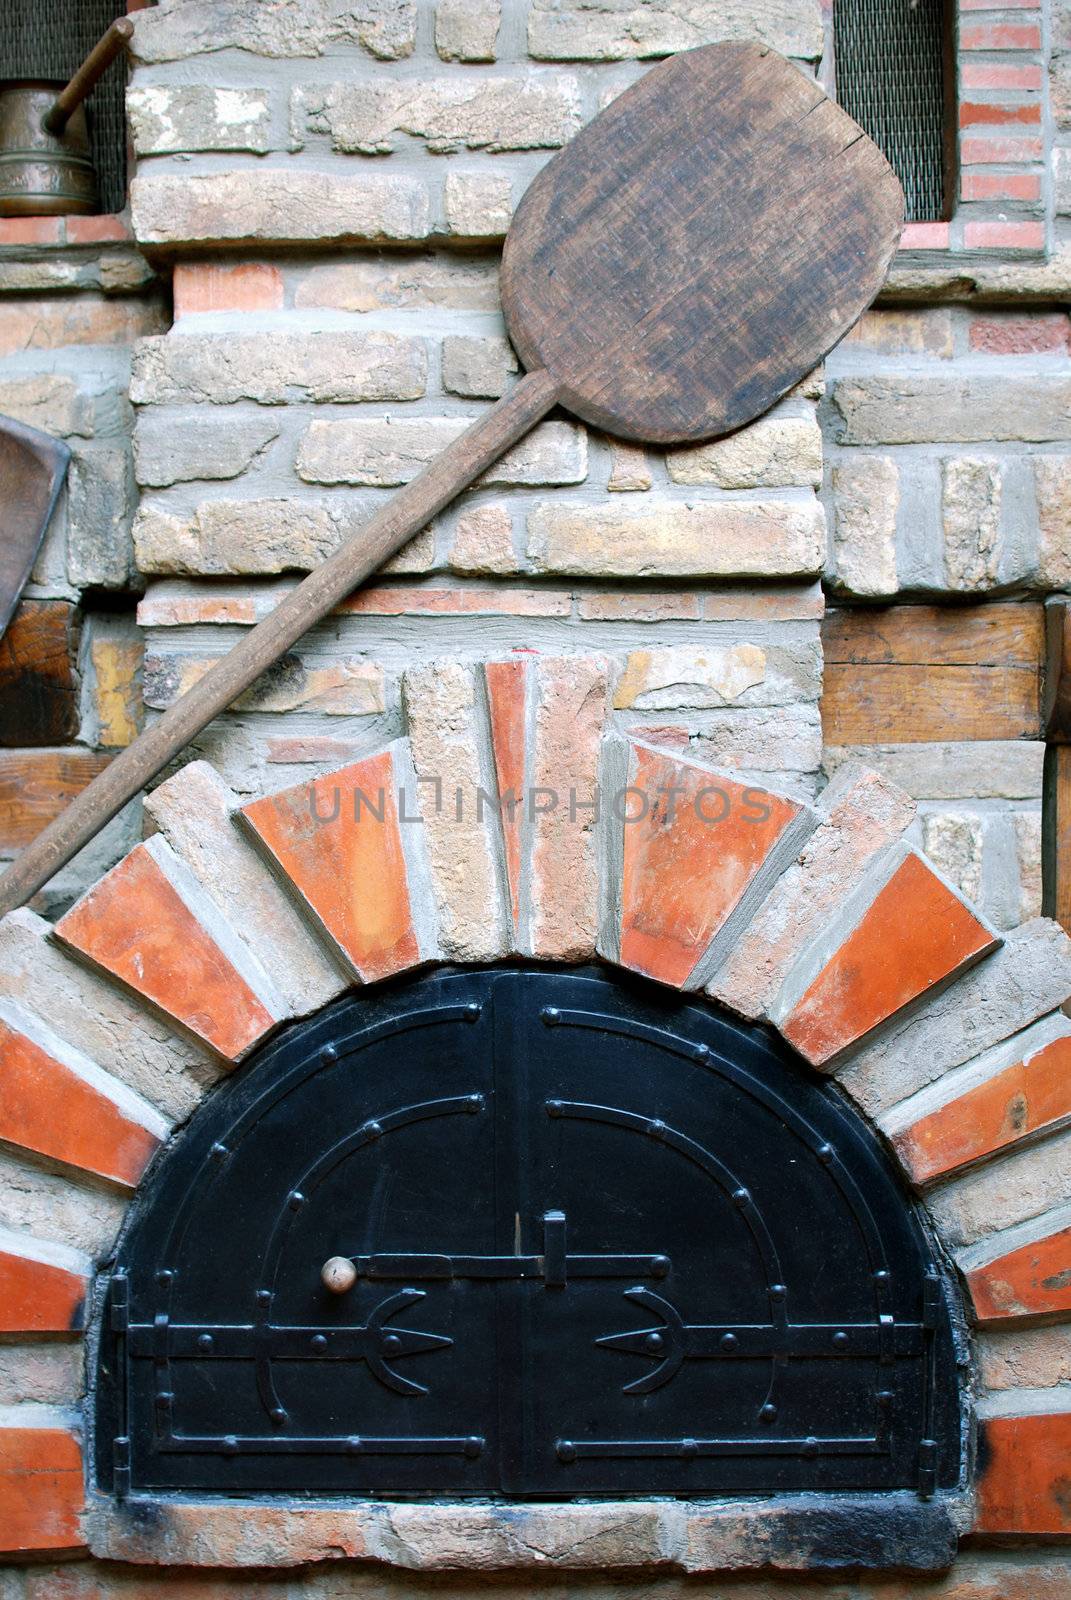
<point x="38" y="675"/>
<point x="36" y="785"/>
<point x="915" y="674"/>
<point x="1056" y="835"/>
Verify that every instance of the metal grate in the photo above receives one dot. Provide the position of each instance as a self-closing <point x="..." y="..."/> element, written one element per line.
<point x="890" y="57"/>
<point x="49" y="39"/>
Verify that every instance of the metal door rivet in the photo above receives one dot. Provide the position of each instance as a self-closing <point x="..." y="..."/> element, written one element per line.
<point x="656" y="1128"/>
<point x="473" y="1447"/>
<point x="472" y="1011"/>
<point x="218" y="1151"/>
<point x="881" y="1276"/>
<point x="263" y="1297"/>
<point x="840" y="1340"/>
<point x="554" y="1108"/>
<point x="885" y="1397"/>
<point x="566" y="1450"/>
<point x="473" y="1104"/>
<point x="778" y="1291"/>
<point x="391" y="1342"/>
<point x="205" y="1342"/>
<point x="729" y="1341"/>
<point x="230" y="1444"/>
<point x="689" y="1447"/>
<point x="295" y="1200"/>
<point x="372" y="1130"/>
<point x="319" y="1341"/>
<point x="353" y="1443"/>
<point x="551" y="1015"/>
<point x="328" y="1054"/>
<point x="278" y="1415"/>
<point x="659" y="1266"/>
<point x="702" y="1051"/>
<point x="654" y="1341"/>
<point x="826" y="1152"/>
<point x="768" y="1412"/>
<point x="810" y="1448"/>
<point x="164" y="1276"/>
<point x="741" y="1197"/>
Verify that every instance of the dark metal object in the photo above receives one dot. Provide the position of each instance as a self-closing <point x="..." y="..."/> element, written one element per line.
<point x="654" y="1256"/>
<point x="32" y="469"/>
<point x="892" y="68"/>
<point x="46" y="165"/>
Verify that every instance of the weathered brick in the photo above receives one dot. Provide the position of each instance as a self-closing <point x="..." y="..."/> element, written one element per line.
<point x="212" y="286"/>
<point x="459" y="828"/>
<point x="43" y="1285"/>
<point x="384" y="453"/>
<point x="1052" y="488"/>
<point x="51" y="1373"/>
<point x="100" y="508"/>
<point x="338" y="841"/>
<point x="60" y="1105"/>
<point x="671" y="606"/>
<point x="963" y="410"/>
<point x="1028" y="976"/>
<point x="1022" y="1086"/>
<point x="607" y="30"/>
<point x="630" y="469"/>
<point x="1025" y="1183"/>
<point x="859" y="814"/>
<point x="1022" y="1484"/>
<point x="507" y="685"/>
<point x="277" y="367"/>
<point x="568" y="720"/>
<point x="46" y="1204"/>
<point x="197" y="116"/>
<point x="194" y="810"/>
<point x="52" y="323"/>
<point x="148" y="923"/>
<point x="406" y="282"/>
<point x="477" y="368"/>
<point x="903" y="933"/>
<point x="997" y="769"/>
<point x="478" y="205"/>
<point x="467" y="30"/>
<point x="1029" y="1358"/>
<point x="348" y="687"/>
<point x="671" y="539"/>
<point x="1009" y="335"/>
<point x="773" y="453"/>
<point x="493" y="114"/>
<point x="49" y="401"/>
<point x="1022" y="1272"/>
<point x="866" y="499"/>
<point x="176" y="29"/>
<point x="172" y="450"/>
<point x="684" y="676"/>
<point x="970" y="514"/>
<point x="953" y="841"/>
<point x="483" y="541"/>
<point x="280" y="205"/>
<point x="698" y="849"/>
<point x="124" y="1037"/>
<point x="1026" y="826"/>
<point x="785" y="739"/>
<point x="41" y="1481"/>
<point x="896" y="333"/>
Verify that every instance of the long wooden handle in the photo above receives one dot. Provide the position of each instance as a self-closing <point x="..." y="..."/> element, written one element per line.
<point x="411" y="509"/>
<point x="96" y="62"/>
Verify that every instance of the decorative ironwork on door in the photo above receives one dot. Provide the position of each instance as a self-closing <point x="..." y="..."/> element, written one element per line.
<point x="525" y="1233"/>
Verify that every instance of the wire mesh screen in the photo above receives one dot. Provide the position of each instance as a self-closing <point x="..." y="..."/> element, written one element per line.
<point x="49" y="39"/>
<point x="890" y="78"/>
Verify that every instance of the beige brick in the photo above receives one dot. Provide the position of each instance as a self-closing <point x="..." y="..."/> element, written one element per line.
<point x="478" y="205"/>
<point x="970" y="514"/>
<point x="477" y="368"/>
<point x="100" y="508"/>
<point x="467" y="30"/>
<point x="630" y="470"/>
<point x="1027" y="828"/>
<point x="177" y="29"/>
<point x="483" y="541"/>
<point x="56" y="321"/>
<point x="49" y="1206"/>
<point x="350" y="687"/>
<point x="1052" y="486"/>
<point x="443" y="723"/>
<point x="861" y="813"/>
<point x="277" y="205"/>
<point x="48" y="401"/>
<point x="493" y="114"/>
<point x="46" y="1374"/>
<point x="953" y="840"/>
<point x="1028" y="1358"/>
<point x="617" y="30"/>
<point x="275" y="367"/>
<point x="410" y="282"/>
<point x="1002" y="1193"/>
<point x="773" y="453"/>
<point x="866" y="497"/>
<point x="196" y="448"/>
<point x="683" y="676"/>
<point x="961" y="410"/>
<point x="907" y="333"/>
<point x="383" y="453"/>
<point x="671" y="539"/>
<point x="996" y="769"/>
<point x="193" y="116"/>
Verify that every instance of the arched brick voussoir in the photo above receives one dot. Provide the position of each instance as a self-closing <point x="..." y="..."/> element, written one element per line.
<point x="57" y="1104"/>
<point x="690" y="853"/>
<point x="1024" y="1452"/>
<point x="42" y="1493"/>
<point x="148" y="924"/>
<point x="352" y="865"/>
<point x="1023" y="1273"/>
<point x="902" y="935"/>
<point x="43" y="1285"/>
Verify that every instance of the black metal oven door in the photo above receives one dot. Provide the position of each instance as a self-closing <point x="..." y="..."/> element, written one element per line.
<point x="586" y="1238"/>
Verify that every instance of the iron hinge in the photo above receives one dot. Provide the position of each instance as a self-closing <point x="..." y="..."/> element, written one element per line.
<point x="120" y="1303"/>
<point x="121" y="1466"/>
<point x="927" y="1467"/>
<point x="931" y="1299"/>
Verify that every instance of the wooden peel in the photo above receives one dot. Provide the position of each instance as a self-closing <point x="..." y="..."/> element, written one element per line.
<point x="690" y="256"/>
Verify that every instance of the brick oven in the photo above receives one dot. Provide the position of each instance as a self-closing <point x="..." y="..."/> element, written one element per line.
<point x="564" y="1086"/>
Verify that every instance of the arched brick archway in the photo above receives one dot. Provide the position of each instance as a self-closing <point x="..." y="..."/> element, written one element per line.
<point x="509" y="823"/>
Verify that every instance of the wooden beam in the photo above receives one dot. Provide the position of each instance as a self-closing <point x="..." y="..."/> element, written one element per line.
<point x="38" y="676"/>
<point x="916" y="674"/>
<point x="36" y="785"/>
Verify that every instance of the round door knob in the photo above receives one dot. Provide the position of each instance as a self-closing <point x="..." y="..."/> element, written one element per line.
<point x="338" y="1274"/>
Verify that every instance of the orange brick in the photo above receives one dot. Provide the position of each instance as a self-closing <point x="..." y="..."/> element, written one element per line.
<point x="31" y="230"/>
<point x="925" y="236"/>
<point x="98" y="230"/>
<point x="136" y="926"/>
<point x="1029" y="1095"/>
<point x="999" y="75"/>
<point x="980" y="151"/>
<point x="206" y="286"/>
<point x="506" y="695"/>
<point x="419" y="601"/>
<point x="1001" y="36"/>
<point x="1032" y="1281"/>
<point x="47" y="1107"/>
<point x="1004" y="235"/>
<point x="697" y="842"/>
<point x="338" y="841"/>
<point x="1020" y="336"/>
<point x="1024" y="1485"/>
<point x="1025" y="186"/>
<point x="973" y="112"/>
<point x="914" y="935"/>
<point x="41" y="1490"/>
<point x="39" y="1296"/>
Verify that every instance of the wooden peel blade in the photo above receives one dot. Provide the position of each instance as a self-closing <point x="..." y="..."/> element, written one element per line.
<point x="686" y="260"/>
<point x="33" y="466"/>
